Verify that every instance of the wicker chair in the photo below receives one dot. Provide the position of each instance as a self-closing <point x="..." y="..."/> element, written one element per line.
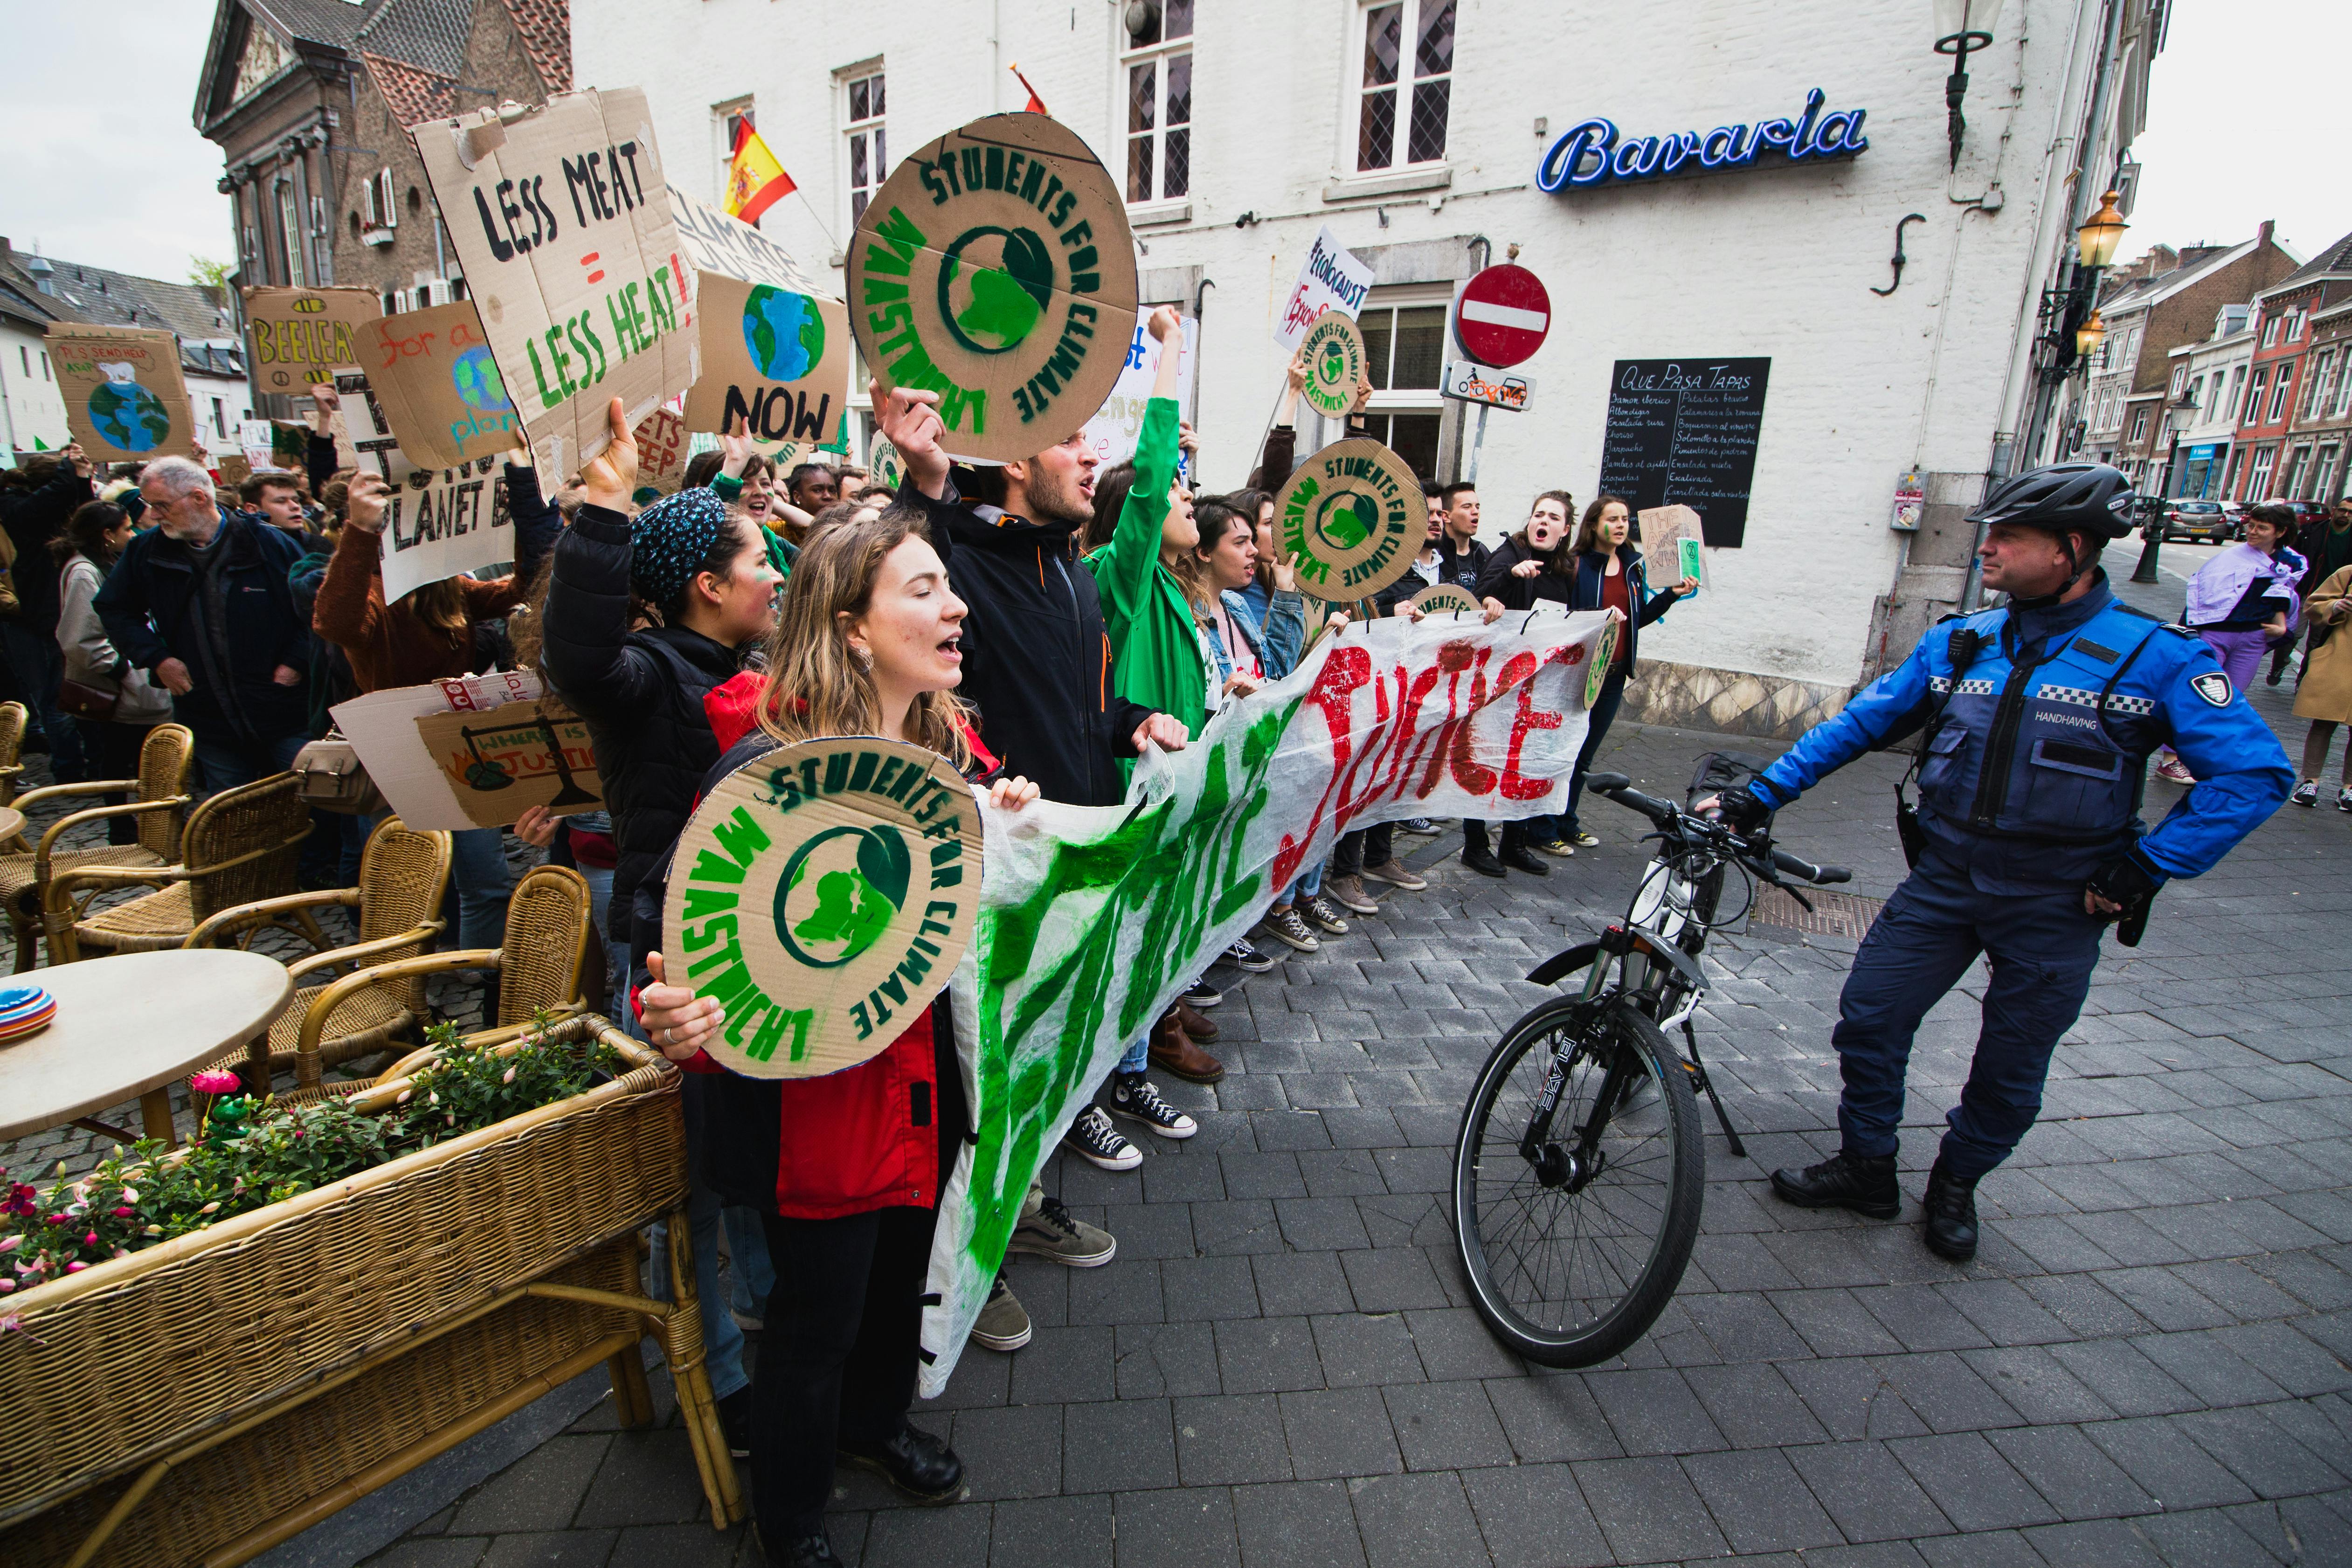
<point x="239" y="848"/>
<point x="403" y="873"/>
<point x="538" y="967"/>
<point x="12" y="746"/>
<point x="166" y="758"/>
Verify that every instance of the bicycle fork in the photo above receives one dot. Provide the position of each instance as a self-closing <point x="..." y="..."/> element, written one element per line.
<point x="1556" y="1166"/>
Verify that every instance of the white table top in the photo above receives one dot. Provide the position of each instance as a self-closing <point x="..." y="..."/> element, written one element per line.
<point x="131" y="1022"/>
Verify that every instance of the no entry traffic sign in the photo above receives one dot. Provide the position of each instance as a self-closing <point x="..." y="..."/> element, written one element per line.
<point x="1502" y="316"/>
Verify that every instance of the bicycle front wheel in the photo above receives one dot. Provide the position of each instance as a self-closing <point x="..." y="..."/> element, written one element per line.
<point x="1575" y="1233"/>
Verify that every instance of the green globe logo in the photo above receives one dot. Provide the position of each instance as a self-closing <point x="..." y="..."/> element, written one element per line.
<point x="476" y="376"/>
<point x="994" y="286"/>
<point x="1333" y="365"/>
<point x="130" y="417"/>
<point x="1347" y="518"/>
<point x="839" y="893"/>
<point x="783" y="331"/>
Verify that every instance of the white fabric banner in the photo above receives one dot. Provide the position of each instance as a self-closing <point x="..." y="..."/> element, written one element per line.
<point x="1094" y="919"/>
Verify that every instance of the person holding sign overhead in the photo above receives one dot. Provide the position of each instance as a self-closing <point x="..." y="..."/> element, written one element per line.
<point x="1609" y="575"/>
<point x="844" y="1169"/>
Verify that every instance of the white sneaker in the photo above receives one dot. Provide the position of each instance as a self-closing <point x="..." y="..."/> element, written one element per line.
<point x="2306" y="794"/>
<point x="1136" y="1098"/>
<point x="2344" y="800"/>
<point x="1093" y="1135"/>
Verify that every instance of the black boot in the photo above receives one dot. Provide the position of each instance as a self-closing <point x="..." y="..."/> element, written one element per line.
<point x="917" y="1463"/>
<point x="1514" y="851"/>
<point x="1862" y="1183"/>
<point x="1951" y="1216"/>
<point x="805" y="1552"/>
<point x="1474" y="851"/>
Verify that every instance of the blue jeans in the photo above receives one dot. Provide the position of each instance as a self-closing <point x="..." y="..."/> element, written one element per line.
<point x="747" y="1242"/>
<point x="1602" y="714"/>
<point x="1306" y="887"/>
<point x="478" y="872"/>
<point x="40" y="668"/>
<point x="224" y="761"/>
<point x="2044" y="948"/>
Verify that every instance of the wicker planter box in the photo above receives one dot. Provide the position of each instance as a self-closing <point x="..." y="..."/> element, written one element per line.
<point x="202" y="1400"/>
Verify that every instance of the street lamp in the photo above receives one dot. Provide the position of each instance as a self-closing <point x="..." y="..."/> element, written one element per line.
<point x="1962" y="27"/>
<point x="2178" y="418"/>
<point x="2089" y="336"/>
<point x="2097" y="238"/>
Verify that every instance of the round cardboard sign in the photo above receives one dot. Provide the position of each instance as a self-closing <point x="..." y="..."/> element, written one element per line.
<point x="823" y="892"/>
<point x="1439" y="598"/>
<point x="884" y="465"/>
<point x="1335" y="359"/>
<point x="1604" y="654"/>
<point x="995" y="268"/>
<point x="1353" y="515"/>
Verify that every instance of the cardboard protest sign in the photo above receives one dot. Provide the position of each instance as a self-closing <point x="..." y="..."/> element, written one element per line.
<point x="1329" y="279"/>
<point x="1670" y="545"/>
<point x="301" y="335"/>
<point x="1336" y="358"/>
<point x="823" y="893"/>
<point x="563" y="225"/>
<point x="662" y="453"/>
<point x="884" y="467"/>
<point x="776" y="347"/>
<point x="501" y="763"/>
<point x="1444" y="598"/>
<point x="232" y="469"/>
<point x="1117" y="425"/>
<point x="438" y="386"/>
<point x="1354" y="516"/>
<point x="124" y="397"/>
<point x="382" y="727"/>
<point x="437" y="522"/>
<point x="995" y="268"/>
<point x="1093" y="920"/>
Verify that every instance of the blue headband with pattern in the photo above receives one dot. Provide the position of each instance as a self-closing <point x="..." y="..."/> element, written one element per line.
<point x="670" y="540"/>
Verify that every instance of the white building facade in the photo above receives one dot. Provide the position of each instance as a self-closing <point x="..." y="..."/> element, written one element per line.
<point x="2212" y="376"/>
<point x="1418" y="131"/>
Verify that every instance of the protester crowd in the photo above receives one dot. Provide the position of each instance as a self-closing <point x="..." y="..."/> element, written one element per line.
<point x="1040" y="623"/>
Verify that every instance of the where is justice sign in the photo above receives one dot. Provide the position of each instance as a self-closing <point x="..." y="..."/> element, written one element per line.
<point x="561" y="220"/>
<point x="995" y="268"/>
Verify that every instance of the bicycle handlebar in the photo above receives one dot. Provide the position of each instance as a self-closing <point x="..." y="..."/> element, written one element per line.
<point x="1617" y="786"/>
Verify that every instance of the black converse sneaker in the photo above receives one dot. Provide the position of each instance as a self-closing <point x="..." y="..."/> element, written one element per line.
<point x="1134" y="1096"/>
<point x="1285" y="928"/>
<point x="1093" y="1135"/>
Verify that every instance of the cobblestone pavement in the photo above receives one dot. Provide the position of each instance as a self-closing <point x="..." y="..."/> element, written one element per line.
<point x="2146" y="1362"/>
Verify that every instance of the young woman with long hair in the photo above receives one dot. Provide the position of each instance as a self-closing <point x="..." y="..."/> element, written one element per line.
<point x="846" y="1184"/>
<point x="96" y="534"/>
<point x="1607" y="575"/>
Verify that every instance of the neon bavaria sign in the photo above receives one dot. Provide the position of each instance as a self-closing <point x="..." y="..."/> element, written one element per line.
<point x="1592" y="154"/>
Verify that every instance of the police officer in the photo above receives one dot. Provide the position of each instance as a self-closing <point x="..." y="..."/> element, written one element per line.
<point x="2039" y="719"/>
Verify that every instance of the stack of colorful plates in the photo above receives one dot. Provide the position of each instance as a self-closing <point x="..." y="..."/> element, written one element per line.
<point x="25" y="1009"/>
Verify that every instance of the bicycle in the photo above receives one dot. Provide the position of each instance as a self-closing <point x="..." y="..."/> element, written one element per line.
<point x="1580" y="1170"/>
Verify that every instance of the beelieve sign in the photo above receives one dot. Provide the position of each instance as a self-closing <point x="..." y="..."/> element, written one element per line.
<point x="1355" y="517"/>
<point x="1591" y="152"/>
<point x="995" y="268"/>
<point x="824" y="892"/>
<point x="1335" y="356"/>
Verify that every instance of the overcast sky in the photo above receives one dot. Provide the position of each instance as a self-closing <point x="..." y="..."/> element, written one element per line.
<point x="106" y="167"/>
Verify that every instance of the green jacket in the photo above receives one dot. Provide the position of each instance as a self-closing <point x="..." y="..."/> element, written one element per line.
<point x="1154" y="642"/>
<point x="781" y="553"/>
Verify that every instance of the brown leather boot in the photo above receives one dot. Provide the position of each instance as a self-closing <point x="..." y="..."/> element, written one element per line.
<point x="1172" y="1050"/>
<point x="1195" y="1022"/>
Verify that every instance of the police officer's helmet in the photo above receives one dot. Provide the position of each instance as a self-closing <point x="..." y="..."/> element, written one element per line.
<point x="2063" y="497"/>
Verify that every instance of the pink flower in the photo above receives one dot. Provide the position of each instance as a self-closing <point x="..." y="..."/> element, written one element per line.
<point x="76" y="1266"/>
<point x="10" y="1243"/>
<point x="125" y="1212"/>
<point x="131" y="1195"/>
<point x="6" y="1286"/>
<point x="90" y="1240"/>
<point x="216" y="1082"/>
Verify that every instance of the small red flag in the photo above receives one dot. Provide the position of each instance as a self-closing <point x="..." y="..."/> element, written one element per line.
<point x="1035" y="105"/>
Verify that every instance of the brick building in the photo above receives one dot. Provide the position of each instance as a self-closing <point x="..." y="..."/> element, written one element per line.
<point x="309" y="100"/>
<point x="2151" y="308"/>
<point x="2294" y="389"/>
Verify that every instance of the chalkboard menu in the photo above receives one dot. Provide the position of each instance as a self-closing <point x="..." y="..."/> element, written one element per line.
<point x="1684" y="431"/>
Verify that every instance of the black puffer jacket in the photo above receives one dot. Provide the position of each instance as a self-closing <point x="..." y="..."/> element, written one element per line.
<point x="1495" y="581"/>
<point x="641" y="693"/>
<point x="1036" y="660"/>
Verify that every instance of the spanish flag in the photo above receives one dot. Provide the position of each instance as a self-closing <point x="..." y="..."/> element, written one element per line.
<point x="755" y="181"/>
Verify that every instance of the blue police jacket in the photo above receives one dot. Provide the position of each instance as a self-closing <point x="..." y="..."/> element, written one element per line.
<point x="2032" y="777"/>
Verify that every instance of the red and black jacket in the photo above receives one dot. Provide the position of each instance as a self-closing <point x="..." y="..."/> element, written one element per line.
<point x="881" y="1134"/>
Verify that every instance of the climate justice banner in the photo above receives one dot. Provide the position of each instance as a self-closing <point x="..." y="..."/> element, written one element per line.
<point x="1091" y="920"/>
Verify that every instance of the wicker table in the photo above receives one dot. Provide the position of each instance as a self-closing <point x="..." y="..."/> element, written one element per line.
<point x="12" y="822"/>
<point x="130" y="1025"/>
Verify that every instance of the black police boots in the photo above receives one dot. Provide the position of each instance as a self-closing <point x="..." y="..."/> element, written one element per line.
<point x="1862" y="1183"/>
<point x="1951" y="1214"/>
<point x="917" y="1463"/>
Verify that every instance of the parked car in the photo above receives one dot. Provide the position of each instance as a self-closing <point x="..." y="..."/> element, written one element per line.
<point x="2199" y="522"/>
<point x="2306" y="511"/>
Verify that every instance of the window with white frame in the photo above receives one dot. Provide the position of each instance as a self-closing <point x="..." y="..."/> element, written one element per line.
<point x="2341" y="404"/>
<point x="2196" y="398"/>
<point x="2237" y="385"/>
<point x="729" y="120"/>
<point x="2315" y="386"/>
<point x="2179" y="379"/>
<point x="290" y="237"/>
<point x="2270" y="330"/>
<point x="1404" y="350"/>
<point x="1407" y="85"/>
<point x="869" y="160"/>
<point x="2323" y="474"/>
<point x="2297" y="462"/>
<point x="2253" y="411"/>
<point x="2139" y="427"/>
<point x="2278" y="390"/>
<point x="2258" y="488"/>
<point x="1159" y="61"/>
<point x="2294" y="326"/>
